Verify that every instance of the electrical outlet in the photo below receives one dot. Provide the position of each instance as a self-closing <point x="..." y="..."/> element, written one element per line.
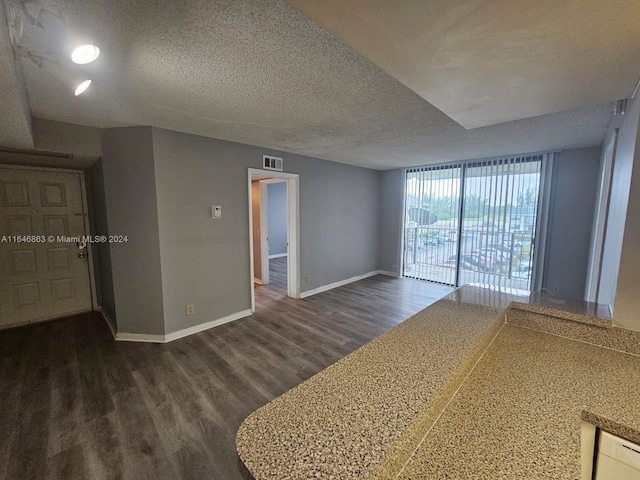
<point x="307" y="279"/>
<point x="555" y="290"/>
<point x="190" y="309"/>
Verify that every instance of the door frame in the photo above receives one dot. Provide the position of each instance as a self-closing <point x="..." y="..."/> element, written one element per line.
<point x="264" y="233"/>
<point x="293" y="229"/>
<point x="264" y="227"/>
<point x="85" y="215"/>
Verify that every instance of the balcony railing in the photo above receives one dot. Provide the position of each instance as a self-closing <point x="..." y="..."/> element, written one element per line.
<point x="487" y="255"/>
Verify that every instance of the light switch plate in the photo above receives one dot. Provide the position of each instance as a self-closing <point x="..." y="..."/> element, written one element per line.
<point x="216" y="211"/>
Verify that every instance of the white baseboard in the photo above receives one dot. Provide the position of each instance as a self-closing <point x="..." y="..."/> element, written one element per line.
<point x="278" y="255"/>
<point x="388" y="273"/>
<point x="140" y="337"/>
<point x="143" y="337"/>
<point x="324" y="288"/>
<point x="205" y="326"/>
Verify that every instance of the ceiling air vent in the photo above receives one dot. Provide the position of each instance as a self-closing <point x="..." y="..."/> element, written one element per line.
<point x="271" y="163"/>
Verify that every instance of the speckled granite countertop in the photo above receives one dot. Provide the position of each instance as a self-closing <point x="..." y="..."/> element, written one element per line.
<point x="453" y="392"/>
<point x="518" y="414"/>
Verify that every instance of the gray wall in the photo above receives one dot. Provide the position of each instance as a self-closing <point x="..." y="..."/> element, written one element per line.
<point x="573" y="196"/>
<point x="339" y="221"/>
<point x="84" y="142"/>
<point x="277" y="217"/>
<point x="130" y="201"/>
<point x="350" y="221"/>
<point x="206" y="261"/>
<point x="626" y="181"/>
<point x="391" y="187"/>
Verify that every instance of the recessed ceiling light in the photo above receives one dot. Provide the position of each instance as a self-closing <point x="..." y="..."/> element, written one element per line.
<point x="85" y="54"/>
<point x="76" y="81"/>
<point x="82" y="87"/>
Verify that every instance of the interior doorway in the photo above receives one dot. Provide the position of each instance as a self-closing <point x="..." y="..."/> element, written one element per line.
<point x="271" y="249"/>
<point x="274" y="252"/>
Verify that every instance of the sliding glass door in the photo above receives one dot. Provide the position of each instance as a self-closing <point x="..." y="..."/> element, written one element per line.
<point x="473" y="222"/>
<point x="432" y="223"/>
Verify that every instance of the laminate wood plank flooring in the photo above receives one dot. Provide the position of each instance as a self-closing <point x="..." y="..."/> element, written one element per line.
<point x="75" y="404"/>
<point x="278" y="273"/>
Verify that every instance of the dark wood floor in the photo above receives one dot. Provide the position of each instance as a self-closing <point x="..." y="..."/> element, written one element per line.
<point x="278" y="273"/>
<point x="75" y="404"/>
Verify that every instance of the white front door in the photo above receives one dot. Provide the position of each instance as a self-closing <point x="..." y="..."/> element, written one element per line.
<point x="43" y="273"/>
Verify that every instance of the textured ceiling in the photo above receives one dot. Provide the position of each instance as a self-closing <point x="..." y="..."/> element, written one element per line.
<point x="261" y="73"/>
<point x="484" y="62"/>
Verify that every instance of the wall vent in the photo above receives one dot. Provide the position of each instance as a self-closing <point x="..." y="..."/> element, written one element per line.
<point x="272" y="163"/>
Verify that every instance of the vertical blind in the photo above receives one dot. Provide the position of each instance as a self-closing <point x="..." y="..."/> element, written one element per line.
<point x="473" y="222"/>
<point x="432" y="193"/>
